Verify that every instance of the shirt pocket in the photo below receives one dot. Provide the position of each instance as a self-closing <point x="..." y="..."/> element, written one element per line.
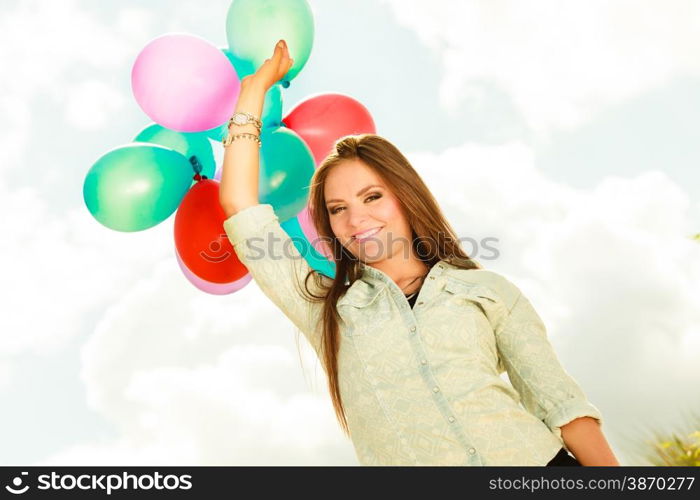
<point x="365" y="313"/>
<point x="472" y="312"/>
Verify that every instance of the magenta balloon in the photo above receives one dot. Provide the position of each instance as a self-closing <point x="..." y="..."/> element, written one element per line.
<point x="184" y="83"/>
<point x="209" y="287"/>
<point x="309" y="230"/>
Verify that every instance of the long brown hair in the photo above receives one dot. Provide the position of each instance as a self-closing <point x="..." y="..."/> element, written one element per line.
<point x="433" y="237"/>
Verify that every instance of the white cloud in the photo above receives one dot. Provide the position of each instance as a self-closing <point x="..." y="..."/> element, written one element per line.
<point x="62" y="268"/>
<point x="14" y="131"/>
<point x="190" y="378"/>
<point x="6" y="375"/>
<point x="42" y="41"/>
<point x="560" y="61"/>
<point x="61" y="50"/>
<point x="92" y="104"/>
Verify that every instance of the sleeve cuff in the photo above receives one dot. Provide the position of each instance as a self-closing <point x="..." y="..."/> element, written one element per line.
<point x="248" y="222"/>
<point x="571" y="410"/>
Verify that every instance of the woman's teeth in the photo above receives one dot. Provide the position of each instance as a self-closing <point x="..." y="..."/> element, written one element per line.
<point x="365" y="235"/>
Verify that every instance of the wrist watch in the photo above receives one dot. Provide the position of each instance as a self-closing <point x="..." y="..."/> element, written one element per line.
<point x="243" y="118"/>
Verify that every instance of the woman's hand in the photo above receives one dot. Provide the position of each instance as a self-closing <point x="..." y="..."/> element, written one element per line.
<point x="271" y="70"/>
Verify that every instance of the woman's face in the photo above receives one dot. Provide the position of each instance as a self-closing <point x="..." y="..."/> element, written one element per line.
<point x="352" y="209"/>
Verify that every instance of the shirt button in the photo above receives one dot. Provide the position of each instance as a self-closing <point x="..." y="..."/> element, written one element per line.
<point x="472" y="451"/>
<point x="424" y="361"/>
<point x="413" y="328"/>
<point x="451" y="419"/>
<point x="436" y="389"/>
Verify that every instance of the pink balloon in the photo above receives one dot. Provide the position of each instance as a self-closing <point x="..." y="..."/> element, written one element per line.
<point x="185" y="83"/>
<point x="307" y="227"/>
<point x="209" y="287"/>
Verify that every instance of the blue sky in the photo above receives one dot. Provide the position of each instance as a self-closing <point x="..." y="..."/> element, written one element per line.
<point x="567" y="130"/>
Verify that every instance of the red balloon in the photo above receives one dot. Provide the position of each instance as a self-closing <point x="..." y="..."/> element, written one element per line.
<point x="322" y="119"/>
<point x="200" y="238"/>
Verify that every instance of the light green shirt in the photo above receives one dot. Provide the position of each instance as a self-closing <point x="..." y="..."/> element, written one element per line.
<point x="422" y="386"/>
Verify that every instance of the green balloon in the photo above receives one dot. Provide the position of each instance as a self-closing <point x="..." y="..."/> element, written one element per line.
<point x="286" y="168"/>
<point x="193" y="145"/>
<point x="313" y="258"/>
<point x="136" y="186"/>
<point x="253" y="27"/>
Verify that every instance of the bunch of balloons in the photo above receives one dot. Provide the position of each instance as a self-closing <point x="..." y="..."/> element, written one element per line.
<point x="189" y="88"/>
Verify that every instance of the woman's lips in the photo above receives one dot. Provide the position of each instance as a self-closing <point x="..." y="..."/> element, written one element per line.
<point x="371" y="233"/>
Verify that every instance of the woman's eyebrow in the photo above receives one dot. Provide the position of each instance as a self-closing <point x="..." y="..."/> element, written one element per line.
<point x="358" y="193"/>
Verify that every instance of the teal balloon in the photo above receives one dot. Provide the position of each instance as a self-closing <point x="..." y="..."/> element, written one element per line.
<point x="216" y="134"/>
<point x="286" y="168"/>
<point x="313" y="258"/>
<point x="192" y="145"/>
<point x="136" y="186"/>
<point x="272" y="107"/>
<point x="253" y="27"/>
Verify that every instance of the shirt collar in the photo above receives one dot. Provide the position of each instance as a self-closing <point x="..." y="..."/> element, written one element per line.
<point x="371" y="281"/>
<point x="370" y="272"/>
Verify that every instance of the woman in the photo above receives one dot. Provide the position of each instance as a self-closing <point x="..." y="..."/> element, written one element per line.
<point x="412" y="333"/>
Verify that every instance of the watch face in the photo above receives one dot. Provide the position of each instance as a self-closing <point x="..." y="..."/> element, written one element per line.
<point x="240" y="119"/>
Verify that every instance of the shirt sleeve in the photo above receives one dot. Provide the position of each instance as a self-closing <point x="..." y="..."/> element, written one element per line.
<point x="546" y="389"/>
<point x="275" y="264"/>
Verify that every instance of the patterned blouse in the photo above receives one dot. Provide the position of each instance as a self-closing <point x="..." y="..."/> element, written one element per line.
<point x="422" y="384"/>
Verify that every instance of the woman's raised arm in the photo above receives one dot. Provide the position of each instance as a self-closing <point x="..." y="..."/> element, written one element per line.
<point x="238" y="188"/>
<point x="253" y="229"/>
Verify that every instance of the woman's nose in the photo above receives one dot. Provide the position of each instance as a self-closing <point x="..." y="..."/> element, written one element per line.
<point x="357" y="218"/>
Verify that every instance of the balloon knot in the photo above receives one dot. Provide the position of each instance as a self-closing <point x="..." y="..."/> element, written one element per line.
<point x="196" y="166"/>
<point x="197" y="177"/>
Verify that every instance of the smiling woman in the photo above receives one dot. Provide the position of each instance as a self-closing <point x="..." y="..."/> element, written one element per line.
<point x="414" y="383"/>
<point x="370" y="222"/>
<point x="377" y="212"/>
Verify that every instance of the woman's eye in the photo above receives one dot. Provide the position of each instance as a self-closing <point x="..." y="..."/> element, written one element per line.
<point x="375" y="196"/>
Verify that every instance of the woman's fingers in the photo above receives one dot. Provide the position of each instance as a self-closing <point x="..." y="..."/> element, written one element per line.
<point x="289" y="59"/>
<point x="279" y="50"/>
<point x="282" y="66"/>
<point x="284" y="62"/>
